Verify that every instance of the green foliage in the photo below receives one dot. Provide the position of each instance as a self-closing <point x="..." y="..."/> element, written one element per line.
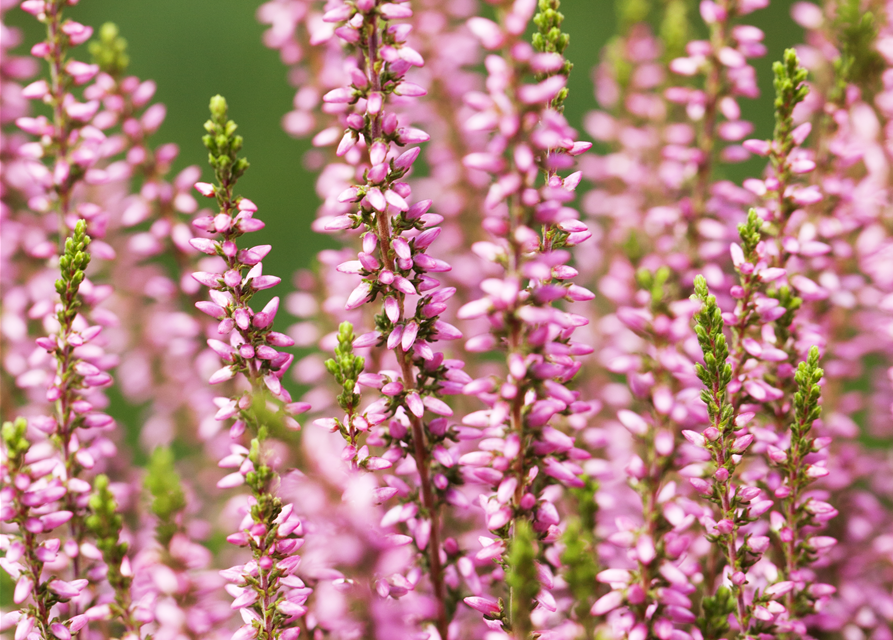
<point x="860" y="62"/>
<point x="72" y="263"/>
<point x="105" y="524"/>
<point x="715" y="610"/>
<point x="791" y="303"/>
<point x="630" y="12"/>
<point x="346" y="367"/>
<point x="790" y="90"/>
<point x="110" y="51"/>
<point x="549" y="38"/>
<point x="580" y="568"/>
<point x="14" y="440"/>
<point x="675" y="30"/>
<point x="586" y="507"/>
<point x="223" y="145"/>
<point x="716" y="373"/>
<point x="655" y="284"/>
<point x="806" y="399"/>
<point x="521" y="577"/>
<point x="750" y="235"/>
<point x="168" y="499"/>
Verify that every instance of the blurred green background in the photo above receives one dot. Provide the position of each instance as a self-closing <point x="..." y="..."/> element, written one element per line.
<point x="194" y="49"/>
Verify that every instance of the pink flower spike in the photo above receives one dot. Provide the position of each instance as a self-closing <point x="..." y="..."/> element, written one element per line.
<point x="695" y="438"/>
<point x="338" y="96"/>
<point x="246" y="205"/>
<point x="410" y="331"/>
<point x="437" y="406"/>
<point x="245" y="632"/>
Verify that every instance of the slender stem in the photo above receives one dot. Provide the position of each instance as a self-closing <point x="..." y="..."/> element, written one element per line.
<point x="419" y="447"/>
<point x="727" y="512"/>
<point x="707" y="139"/>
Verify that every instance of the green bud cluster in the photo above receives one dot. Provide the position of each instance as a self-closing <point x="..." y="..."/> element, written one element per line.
<point x="580" y="570"/>
<point x="790" y="90"/>
<point x="750" y="234"/>
<point x="105" y="523"/>
<point x="791" y="303"/>
<point x="260" y="478"/>
<point x="656" y="284"/>
<point x="168" y="499"/>
<point x="806" y="410"/>
<point x="110" y="51"/>
<point x="860" y="63"/>
<point x="346" y="368"/>
<point x="14" y="440"/>
<point x="72" y="263"/>
<point x="521" y="577"/>
<point x="223" y="147"/>
<point x="806" y="399"/>
<point x="675" y="29"/>
<point x="549" y="38"/>
<point x="715" y="610"/>
<point x="715" y="373"/>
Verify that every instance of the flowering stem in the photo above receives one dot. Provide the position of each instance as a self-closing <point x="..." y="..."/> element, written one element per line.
<point x="420" y="446"/>
<point x="269" y="612"/>
<point x="15" y="448"/>
<point x="716" y="374"/>
<point x="71" y="371"/>
<point x="799" y="474"/>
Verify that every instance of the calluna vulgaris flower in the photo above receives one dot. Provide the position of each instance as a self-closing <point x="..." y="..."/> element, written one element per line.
<point x="554" y="391"/>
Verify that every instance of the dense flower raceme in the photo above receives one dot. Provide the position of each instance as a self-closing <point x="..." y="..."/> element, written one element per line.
<point x="634" y="197"/>
<point x="395" y="264"/>
<point x="524" y="459"/>
<point x="703" y="474"/>
<point x="43" y="459"/>
<point x="70" y="445"/>
<point x="268" y="594"/>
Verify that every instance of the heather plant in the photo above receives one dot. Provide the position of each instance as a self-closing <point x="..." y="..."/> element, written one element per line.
<point x="553" y="387"/>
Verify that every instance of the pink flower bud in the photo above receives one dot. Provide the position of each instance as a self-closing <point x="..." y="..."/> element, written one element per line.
<point x="206" y="189"/>
<point x="607" y="603"/>
<point x="484" y="605"/>
<point x="757" y="147"/>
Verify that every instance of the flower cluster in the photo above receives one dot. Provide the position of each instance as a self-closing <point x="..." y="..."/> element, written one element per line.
<point x="556" y="386"/>
<point x="267" y="592"/>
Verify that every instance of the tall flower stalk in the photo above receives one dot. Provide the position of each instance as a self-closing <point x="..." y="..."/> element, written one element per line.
<point x="268" y="594"/>
<point x="51" y="484"/>
<point x="725" y="442"/>
<point x="527" y="216"/>
<point x="586" y="479"/>
<point x="395" y="264"/>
